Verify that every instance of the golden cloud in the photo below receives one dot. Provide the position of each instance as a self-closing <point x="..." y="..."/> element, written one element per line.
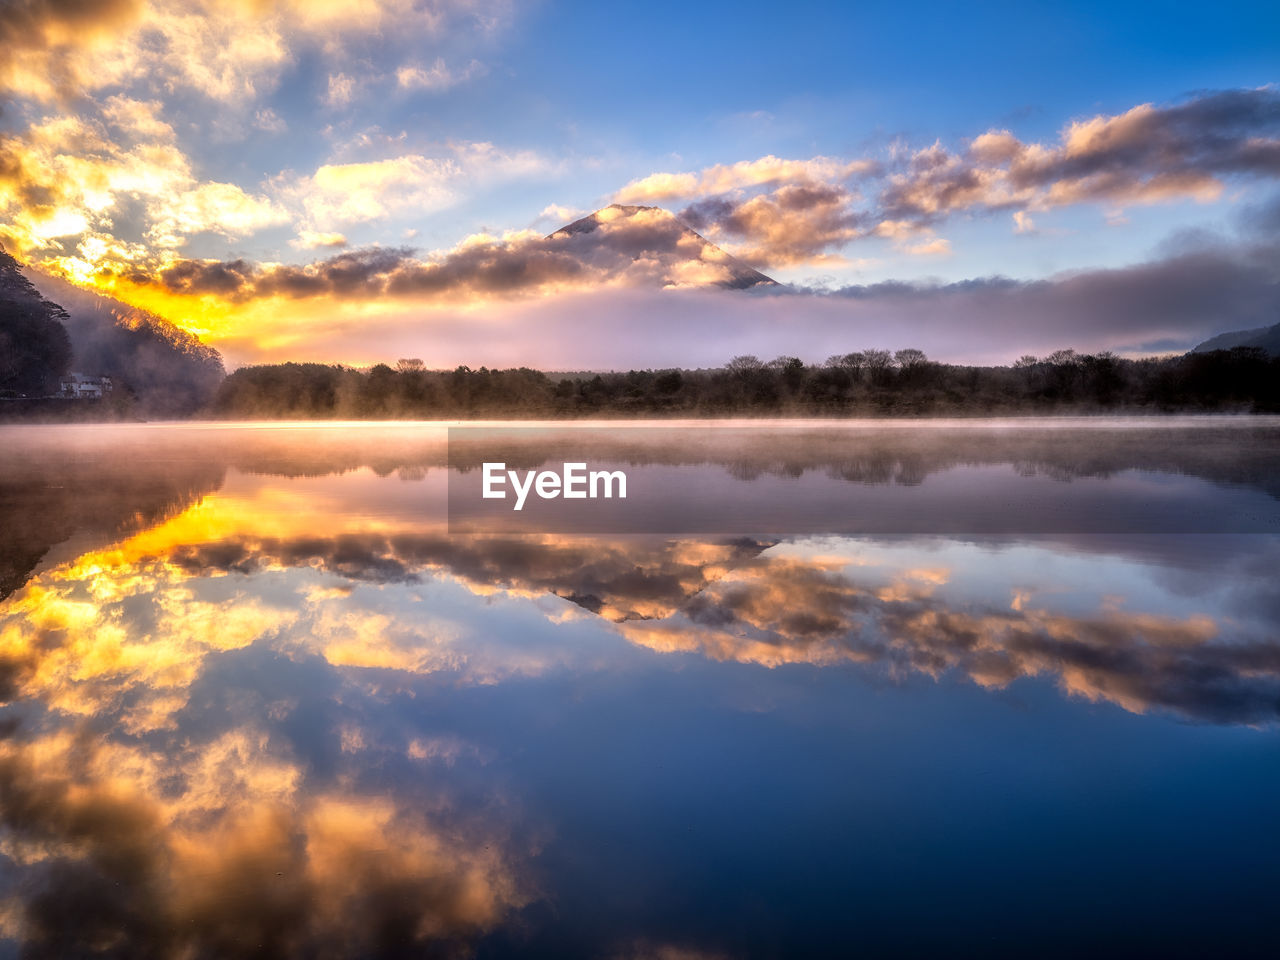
<point x="227" y="50"/>
<point x="65" y="180"/>
<point x="723" y="178"/>
<point x="227" y="846"/>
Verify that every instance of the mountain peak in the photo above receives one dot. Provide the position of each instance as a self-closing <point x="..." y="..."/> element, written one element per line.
<point x="614" y="213"/>
<point x="658" y="241"/>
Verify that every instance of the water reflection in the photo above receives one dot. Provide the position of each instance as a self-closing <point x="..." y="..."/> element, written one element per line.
<point x="138" y="619"/>
<point x="227" y="848"/>
<point x="259" y="702"/>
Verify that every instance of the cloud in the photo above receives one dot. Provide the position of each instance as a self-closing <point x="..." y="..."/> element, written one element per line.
<point x="269" y="121"/>
<point x="939" y="247"/>
<point x="220" y="207"/>
<point x="65" y="177"/>
<point x="138" y="120"/>
<point x="438" y="76"/>
<point x="310" y="240"/>
<point x="115" y="192"/>
<point x="406" y="185"/>
<point x="115" y="195"/>
<point x="225" y="50"/>
<point x="637" y="246"/>
<point x="106" y="180"/>
<point x="229" y="846"/>
<point x="722" y="178"/>
<point x="355" y="192"/>
<point x="630" y="292"/>
<point x="44" y="43"/>
<point x="808" y="211"/>
<point x="793" y="224"/>
<point x="1147" y="154"/>
<point x="341" y="90"/>
<point x="794" y="211"/>
<point x="559" y="214"/>
<point x="786" y="607"/>
<point x="56" y="50"/>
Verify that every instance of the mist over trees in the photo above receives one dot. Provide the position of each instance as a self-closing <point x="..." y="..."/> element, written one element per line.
<point x="164" y="370"/>
<point x="861" y="383"/>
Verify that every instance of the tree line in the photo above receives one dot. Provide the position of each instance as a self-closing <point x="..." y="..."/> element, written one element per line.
<point x="862" y="383"/>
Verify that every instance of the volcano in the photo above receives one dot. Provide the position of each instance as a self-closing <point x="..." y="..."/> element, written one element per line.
<point x="657" y="243"/>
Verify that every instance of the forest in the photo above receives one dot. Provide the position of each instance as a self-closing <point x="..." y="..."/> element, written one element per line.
<point x="863" y="383"/>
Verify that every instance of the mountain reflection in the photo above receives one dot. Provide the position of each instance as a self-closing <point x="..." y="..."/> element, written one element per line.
<point x="128" y="626"/>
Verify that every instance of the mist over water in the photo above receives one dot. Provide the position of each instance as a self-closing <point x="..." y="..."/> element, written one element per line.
<point x="905" y="686"/>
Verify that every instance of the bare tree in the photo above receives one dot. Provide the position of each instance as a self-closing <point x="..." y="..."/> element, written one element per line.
<point x="910" y="358"/>
<point x="877" y="360"/>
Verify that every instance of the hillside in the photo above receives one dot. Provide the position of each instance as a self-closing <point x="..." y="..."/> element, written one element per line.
<point x="1265" y="338"/>
<point x="168" y="370"/>
<point x="35" y="349"/>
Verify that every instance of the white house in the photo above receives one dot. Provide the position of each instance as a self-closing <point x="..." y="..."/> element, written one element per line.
<point x="78" y="386"/>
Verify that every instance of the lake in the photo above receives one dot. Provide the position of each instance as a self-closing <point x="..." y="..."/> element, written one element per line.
<point x="998" y="688"/>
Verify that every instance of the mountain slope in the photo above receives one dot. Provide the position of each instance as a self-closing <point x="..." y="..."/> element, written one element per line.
<point x="655" y="240"/>
<point x="169" y="370"/>
<point x="1266" y="338"/>
<point x="35" y="349"/>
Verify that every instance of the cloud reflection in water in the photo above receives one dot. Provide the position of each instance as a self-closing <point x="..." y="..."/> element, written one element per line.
<point x="224" y="731"/>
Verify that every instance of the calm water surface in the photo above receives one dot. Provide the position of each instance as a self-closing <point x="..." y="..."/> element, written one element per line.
<point x="971" y="688"/>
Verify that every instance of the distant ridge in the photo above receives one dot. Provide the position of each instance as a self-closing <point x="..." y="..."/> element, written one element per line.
<point x="1265" y="338"/>
<point x="652" y="234"/>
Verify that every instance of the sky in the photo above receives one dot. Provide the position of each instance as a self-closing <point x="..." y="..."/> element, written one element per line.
<point x="354" y="181"/>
